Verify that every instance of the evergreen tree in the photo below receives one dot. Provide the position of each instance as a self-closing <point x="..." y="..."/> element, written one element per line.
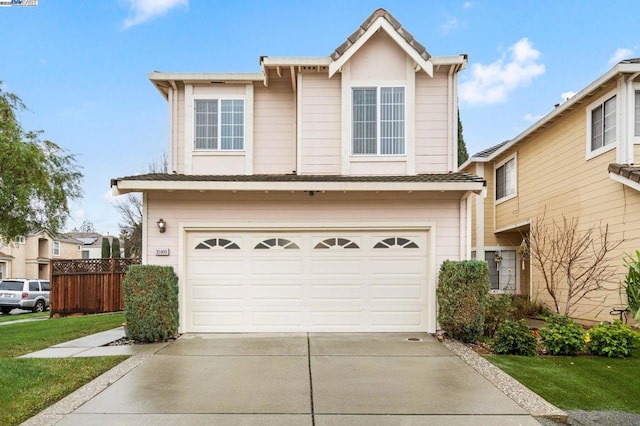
<point x="463" y="155"/>
<point x="106" y="248"/>
<point x="115" y="248"/>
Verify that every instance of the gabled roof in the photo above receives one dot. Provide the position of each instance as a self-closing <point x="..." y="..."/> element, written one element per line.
<point x="5" y="256"/>
<point x="627" y="66"/>
<point x="377" y="20"/>
<point x="290" y="182"/>
<point x="489" y="151"/>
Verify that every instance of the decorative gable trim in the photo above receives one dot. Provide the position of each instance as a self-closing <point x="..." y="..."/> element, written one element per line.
<point x="381" y="19"/>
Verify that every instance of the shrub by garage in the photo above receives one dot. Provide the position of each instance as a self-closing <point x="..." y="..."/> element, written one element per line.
<point x="151" y="303"/>
<point x="462" y="292"/>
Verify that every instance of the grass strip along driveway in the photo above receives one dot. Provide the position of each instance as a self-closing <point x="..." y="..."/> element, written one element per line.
<point x="29" y="385"/>
<point x="580" y="382"/>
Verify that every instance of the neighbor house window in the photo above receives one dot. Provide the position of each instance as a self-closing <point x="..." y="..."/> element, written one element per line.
<point x="502" y="269"/>
<point x="21" y="239"/>
<point x="56" y="248"/>
<point x="506" y="180"/>
<point x="219" y="124"/>
<point x="378" y="120"/>
<point x="603" y="124"/>
<point x="85" y="254"/>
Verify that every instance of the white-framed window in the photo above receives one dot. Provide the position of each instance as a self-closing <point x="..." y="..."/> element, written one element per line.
<point x="21" y="239"/>
<point x="56" y="248"/>
<point x="601" y="125"/>
<point x="219" y="124"/>
<point x="502" y="269"/>
<point x="378" y="120"/>
<point x="1" y="270"/>
<point x="85" y="254"/>
<point x="506" y="179"/>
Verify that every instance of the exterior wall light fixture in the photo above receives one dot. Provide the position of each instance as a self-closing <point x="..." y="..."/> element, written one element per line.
<point x="162" y="225"/>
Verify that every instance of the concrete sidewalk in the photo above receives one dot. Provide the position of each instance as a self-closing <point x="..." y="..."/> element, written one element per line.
<point x="290" y="379"/>
<point x="94" y="346"/>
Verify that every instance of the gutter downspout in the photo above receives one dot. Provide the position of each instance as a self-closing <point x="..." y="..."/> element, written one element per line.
<point x="629" y="150"/>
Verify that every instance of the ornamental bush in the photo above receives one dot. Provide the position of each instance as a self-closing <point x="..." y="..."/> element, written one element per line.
<point x="515" y="338"/>
<point x="151" y="302"/>
<point x="612" y="340"/>
<point x="462" y="293"/>
<point x="562" y="336"/>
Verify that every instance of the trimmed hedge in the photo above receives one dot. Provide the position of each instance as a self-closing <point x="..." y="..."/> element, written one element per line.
<point x="463" y="292"/>
<point x="151" y="303"/>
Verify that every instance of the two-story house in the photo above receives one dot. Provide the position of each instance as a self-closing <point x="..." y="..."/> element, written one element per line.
<point x="576" y="162"/>
<point x="30" y="256"/>
<point x="319" y="194"/>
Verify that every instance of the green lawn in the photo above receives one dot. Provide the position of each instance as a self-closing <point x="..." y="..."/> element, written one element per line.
<point x="29" y="385"/>
<point x="578" y="383"/>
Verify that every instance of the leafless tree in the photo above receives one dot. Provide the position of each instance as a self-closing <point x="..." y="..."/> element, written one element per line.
<point x="130" y="209"/>
<point x="574" y="264"/>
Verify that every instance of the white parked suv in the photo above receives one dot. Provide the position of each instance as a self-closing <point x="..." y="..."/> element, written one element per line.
<point x="30" y="294"/>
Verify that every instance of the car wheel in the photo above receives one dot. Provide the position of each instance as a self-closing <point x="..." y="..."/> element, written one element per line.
<point x="39" y="306"/>
<point x="6" y="310"/>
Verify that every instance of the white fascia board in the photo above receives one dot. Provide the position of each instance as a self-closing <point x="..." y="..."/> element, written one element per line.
<point x="623" y="180"/>
<point x="381" y="22"/>
<point x="450" y="60"/>
<point x="125" y="186"/>
<point x="199" y="77"/>
<point x="284" y="61"/>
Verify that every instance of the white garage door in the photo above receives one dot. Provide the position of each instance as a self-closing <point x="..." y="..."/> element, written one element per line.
<point x="306" y="281"/>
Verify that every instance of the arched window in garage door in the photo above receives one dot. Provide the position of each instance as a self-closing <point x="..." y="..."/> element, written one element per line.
<point x="276" y="243"/>
<point x="395" y="242"/>
<point x="336" y="243"/>
<point x="217" y="243"/>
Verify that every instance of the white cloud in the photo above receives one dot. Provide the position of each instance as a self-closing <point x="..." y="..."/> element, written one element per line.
<point x="490" y="84"/>
<point x="467" y="5"/>
<point x="567" y="95"/>
<point x="143" y="10"/>
<point x="620" y="54"/>
<point x="450" y="25"/>
<point x="532" y="118"/>
<point x="79" y="214"/>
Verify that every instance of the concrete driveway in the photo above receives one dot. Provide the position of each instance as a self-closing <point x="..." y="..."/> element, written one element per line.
<point x="300" y="379"/>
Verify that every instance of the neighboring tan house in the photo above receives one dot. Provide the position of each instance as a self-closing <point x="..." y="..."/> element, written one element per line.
<point x="30" y="256"/>
<point x="577" y="161"/>
<point x="320" y="194"/>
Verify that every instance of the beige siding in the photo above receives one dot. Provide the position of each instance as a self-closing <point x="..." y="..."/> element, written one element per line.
<point x="555" y="179"/>
<point x="178" y="161"/>
<point x="321" y="125"/>
<point x="379" y="60"/>
<point x="432" y="123"/>
<point x="274" y="128"/>
<point x="275" y="210"/>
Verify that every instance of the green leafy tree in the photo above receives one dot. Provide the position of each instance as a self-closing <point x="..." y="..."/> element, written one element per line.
<point x="115" y="248"/>
<point x="37" y="177"/>
<point x="463" y="155"/>
<point x="106" y="248"/>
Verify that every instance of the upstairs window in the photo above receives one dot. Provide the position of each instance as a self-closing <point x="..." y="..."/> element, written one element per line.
<point x="603" y="124"/>
<point x="219" y="124"/>
<point x="56" y="248"/>
<point x="378" y="121"/>
<point x="506" y="180"/>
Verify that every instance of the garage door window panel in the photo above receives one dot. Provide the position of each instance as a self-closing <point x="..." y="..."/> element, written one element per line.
<point x="396" y="242"/>
<point x="336" y="243"/>
<point x="220" y="243"/>
<point x="276" y="243"/>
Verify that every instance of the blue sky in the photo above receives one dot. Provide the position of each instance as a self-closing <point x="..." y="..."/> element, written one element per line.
<point x="81" y="66"/>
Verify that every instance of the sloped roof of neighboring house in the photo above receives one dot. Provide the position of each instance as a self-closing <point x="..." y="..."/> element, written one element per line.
<point x="5" y="256"/>
<point x="626" y="174"/>
<point x="421" y="182"/>
<point x="487" y="152"/>
<point x="627" y="66"/>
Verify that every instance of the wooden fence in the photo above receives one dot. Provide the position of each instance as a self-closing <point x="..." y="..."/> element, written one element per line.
<point x="88" y="286"/>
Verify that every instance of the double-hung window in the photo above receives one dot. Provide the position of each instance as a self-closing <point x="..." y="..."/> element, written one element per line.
<point x="56" y="248"/>
<point x="506" y="180"/>
<point x="219" y="124"/>
<point x="378" y="120"/>
<point x="603" y="124"/>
